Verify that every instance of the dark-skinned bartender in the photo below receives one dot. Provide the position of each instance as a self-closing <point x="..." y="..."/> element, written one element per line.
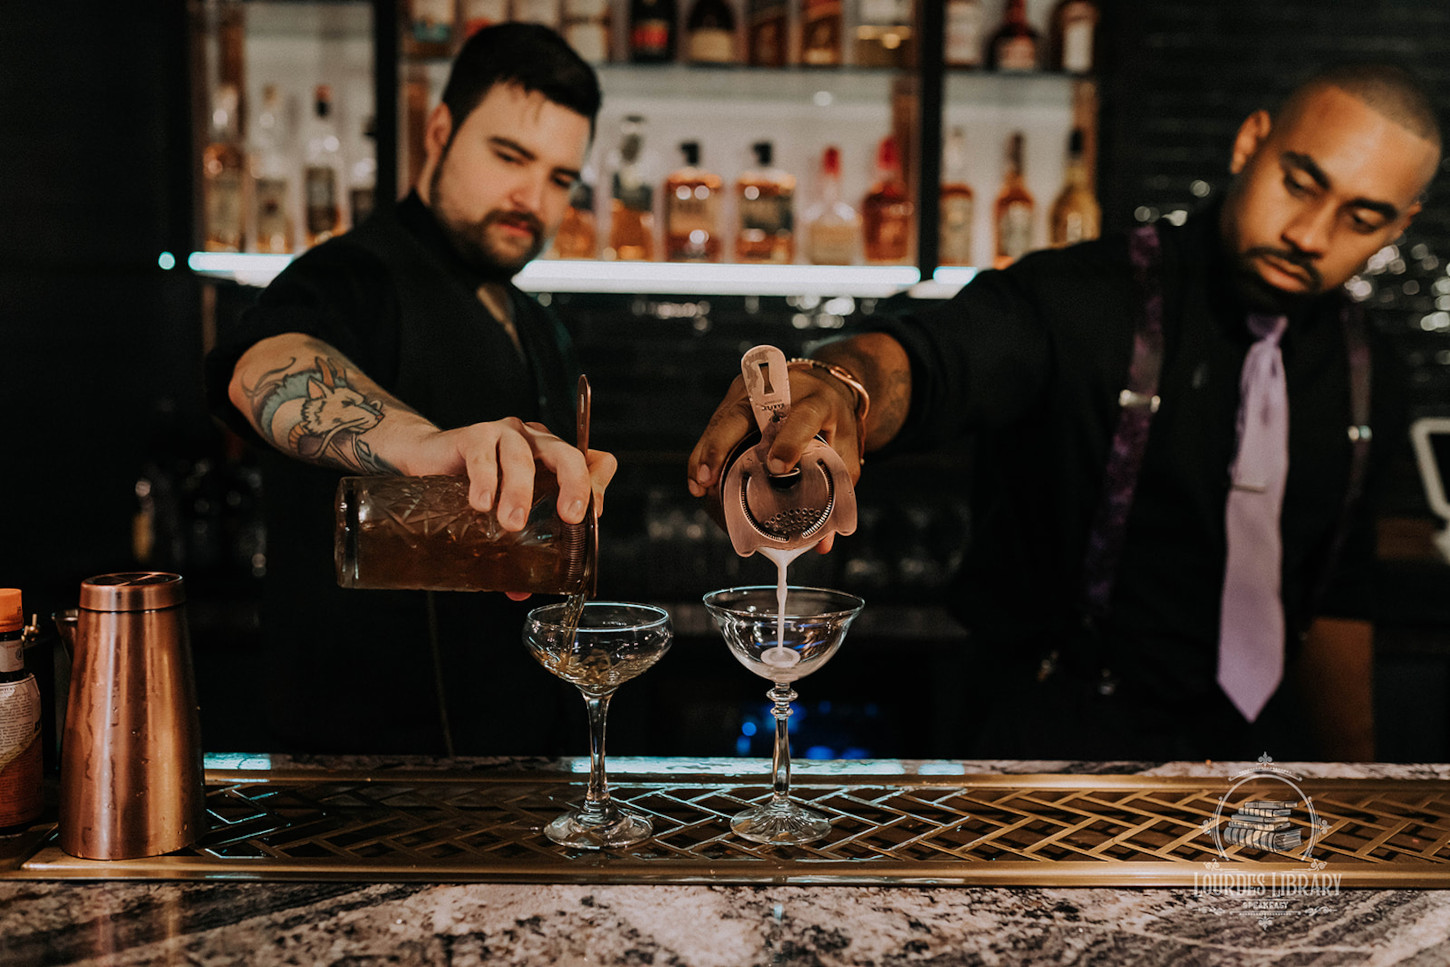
<point x="403" y="347"/>
<point x="1176" y="432"/>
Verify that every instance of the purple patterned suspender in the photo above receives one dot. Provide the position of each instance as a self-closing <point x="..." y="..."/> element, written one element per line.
<point x="1137" y="404"/>
<point x="1139" y="401"/>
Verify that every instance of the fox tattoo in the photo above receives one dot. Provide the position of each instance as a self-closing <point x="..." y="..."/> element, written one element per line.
<point x="316" y="415"/>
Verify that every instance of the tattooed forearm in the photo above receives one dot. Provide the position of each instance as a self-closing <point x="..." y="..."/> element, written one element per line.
<point x="882" y="365"/>
<point x="315" y="414"/>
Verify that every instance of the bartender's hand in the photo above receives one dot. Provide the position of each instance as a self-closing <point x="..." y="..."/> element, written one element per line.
<point x="820" y="405"/>
<point x="499" y="458"/>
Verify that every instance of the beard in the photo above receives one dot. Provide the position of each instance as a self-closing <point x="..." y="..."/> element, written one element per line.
<point x="482" y="244"/>
<point x="1257" y="293"/>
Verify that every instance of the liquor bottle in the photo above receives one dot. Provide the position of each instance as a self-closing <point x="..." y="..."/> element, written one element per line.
<point x="578" y="234"/>
<point x="1076" y="215"/>
<point x="474" y="15"/>
<point x="710" y="33"/>
<point x="429" y="28"/>
<point x="1072" y="39"/>
<point x="963" y="34"/>
<point x="222" y="176"/>
<point x="1014" y="209"/>
<point x="692" y="210"/>
<point x="1014" y="46"/>
<point x="765" y="204"/>
<point x="651" y="31"/>
<point x="363" y="178"/>
<point x="547" y="12"/>
<point x="821" y="33"/>
<point x="587" y="29"/>
<point x="21" y="798"/>
<point x="631" y="207"/>
<point x="887" y="211"/>
<point x="833" y="228"/>
<point x="883" y="33"/>
<point x="957" y="204"/>
<point x="322" y="176"/>
<point x="271" y="184"/>
<point x="767" y="33"/>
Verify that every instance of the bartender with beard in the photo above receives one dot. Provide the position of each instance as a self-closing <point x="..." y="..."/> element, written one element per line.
<point x="403" y="347"/>
<point x="1172" y="430"/>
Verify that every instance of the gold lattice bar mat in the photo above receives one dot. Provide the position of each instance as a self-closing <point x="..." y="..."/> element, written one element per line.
<point x="1046" y="830"/>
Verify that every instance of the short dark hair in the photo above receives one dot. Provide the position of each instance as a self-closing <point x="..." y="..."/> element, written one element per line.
<point x="1392" y="90"/>
<point x="529" y="55"/>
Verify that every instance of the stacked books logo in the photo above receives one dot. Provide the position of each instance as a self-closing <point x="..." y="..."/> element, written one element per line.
<point x="1263" y="824"/>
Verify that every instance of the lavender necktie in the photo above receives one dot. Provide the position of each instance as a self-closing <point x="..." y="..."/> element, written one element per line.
<point x="1251" y="625"/>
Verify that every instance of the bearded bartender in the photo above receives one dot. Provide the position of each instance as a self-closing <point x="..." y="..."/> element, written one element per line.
<point x="403" y="347"/>
<point x="1176" y="433"/>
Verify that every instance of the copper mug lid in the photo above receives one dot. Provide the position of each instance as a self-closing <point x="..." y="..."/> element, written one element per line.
<point x="132" y="591"/>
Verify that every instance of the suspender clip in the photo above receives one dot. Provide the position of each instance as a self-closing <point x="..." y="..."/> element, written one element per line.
<point x="1129" y="400"/>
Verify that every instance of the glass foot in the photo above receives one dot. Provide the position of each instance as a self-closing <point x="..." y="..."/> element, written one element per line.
<point x="619" y="826"/>
<point x="781" y="823"/>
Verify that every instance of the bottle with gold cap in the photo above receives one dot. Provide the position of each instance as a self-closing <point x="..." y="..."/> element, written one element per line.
<point x="20" y="745"/>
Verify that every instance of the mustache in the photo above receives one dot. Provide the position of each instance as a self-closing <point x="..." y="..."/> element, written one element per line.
<point x="1294" y="257"/>
<point x="515" y="219"/>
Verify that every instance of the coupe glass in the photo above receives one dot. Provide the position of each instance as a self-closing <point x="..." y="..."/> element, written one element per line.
<point x="598" y="647"/>
<point x="782" y="644"/>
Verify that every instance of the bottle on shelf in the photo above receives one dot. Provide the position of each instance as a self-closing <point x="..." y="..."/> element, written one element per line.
<point x="692" y="210"/>
<point x="1014" y="209"/>
<point x="887" y="211"/>
<point x="587" y="29"/>
<point x="765" y="205"/>
<point x="1072" y="38"/>
<point x="474" y="15"/>
<point x="833" y="228"/>
<point x="271" y="181"/>
<point x="821" y="33"/>
<point x="651" y="31"/>
<point x="963" y="34"/>
<point x="1076" y="215"/>
<point x="1014" y="45"/>
<point x="883" y="33"/>
<point x="322" y="174"/>
<point x="21" y="748"/>
<point x="363" y="177"/>
<point x="578" y="234"/>
<point x="631" y="207"/>
<point x="223" y="176"/>
<point x="428" y="31"/>
<point x="957" y="204"/>
<point x="767" y="39"/>
<point x="550" y="13"/>
<point x="710" y="33"/>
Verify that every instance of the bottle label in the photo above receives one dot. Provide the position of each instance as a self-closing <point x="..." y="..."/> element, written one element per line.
<point x="712" y="46"/>
<point x="431" y="20"/>
<point x="834" y="243"/>
<point x="650" y="37"/>
<point x="1017" y="54"/>
<point x="20" y="791"/>
<point x="544" y="12"/>
<point x="224" y="207"/>
<point x="821" y="32"/>
<point x="321" y="190"/>
<point x="956" y="231"/>
<point x="273" y="230"/>
<point x="1014" y="231"/>
<point x="886" y="11"/>
<point x="692" y="209"/>
<point x="1077" y="46"/>
<point x="767" y="213"/>
<point x="964" y="35"/>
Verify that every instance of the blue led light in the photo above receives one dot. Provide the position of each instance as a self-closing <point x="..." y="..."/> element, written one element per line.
<point x="166" y="260"/>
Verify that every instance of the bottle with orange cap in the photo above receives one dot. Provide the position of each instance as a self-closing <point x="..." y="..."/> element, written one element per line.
<point x="21" y="800"/>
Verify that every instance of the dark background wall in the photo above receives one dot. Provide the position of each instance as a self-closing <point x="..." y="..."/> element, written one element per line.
<point x="100" y="347"/>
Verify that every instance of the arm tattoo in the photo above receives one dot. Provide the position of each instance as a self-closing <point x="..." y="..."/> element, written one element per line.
<point x="315" y="415"/>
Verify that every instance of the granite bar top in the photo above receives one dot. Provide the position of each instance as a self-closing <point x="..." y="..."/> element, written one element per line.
<point x="338" y="923"/>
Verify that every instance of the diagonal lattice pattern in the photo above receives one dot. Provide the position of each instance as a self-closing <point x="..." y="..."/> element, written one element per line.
<point x="1020" y="830"/>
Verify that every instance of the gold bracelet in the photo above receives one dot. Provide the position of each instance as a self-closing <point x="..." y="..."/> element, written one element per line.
<point x="857" y="388"/>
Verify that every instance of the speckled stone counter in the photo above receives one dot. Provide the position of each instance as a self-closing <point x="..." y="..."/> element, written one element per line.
<point x="335" y="923"/>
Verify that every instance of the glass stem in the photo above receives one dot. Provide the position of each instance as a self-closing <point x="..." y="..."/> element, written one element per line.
<point x="597" y="805"/>
<point x="782" y="695"/>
